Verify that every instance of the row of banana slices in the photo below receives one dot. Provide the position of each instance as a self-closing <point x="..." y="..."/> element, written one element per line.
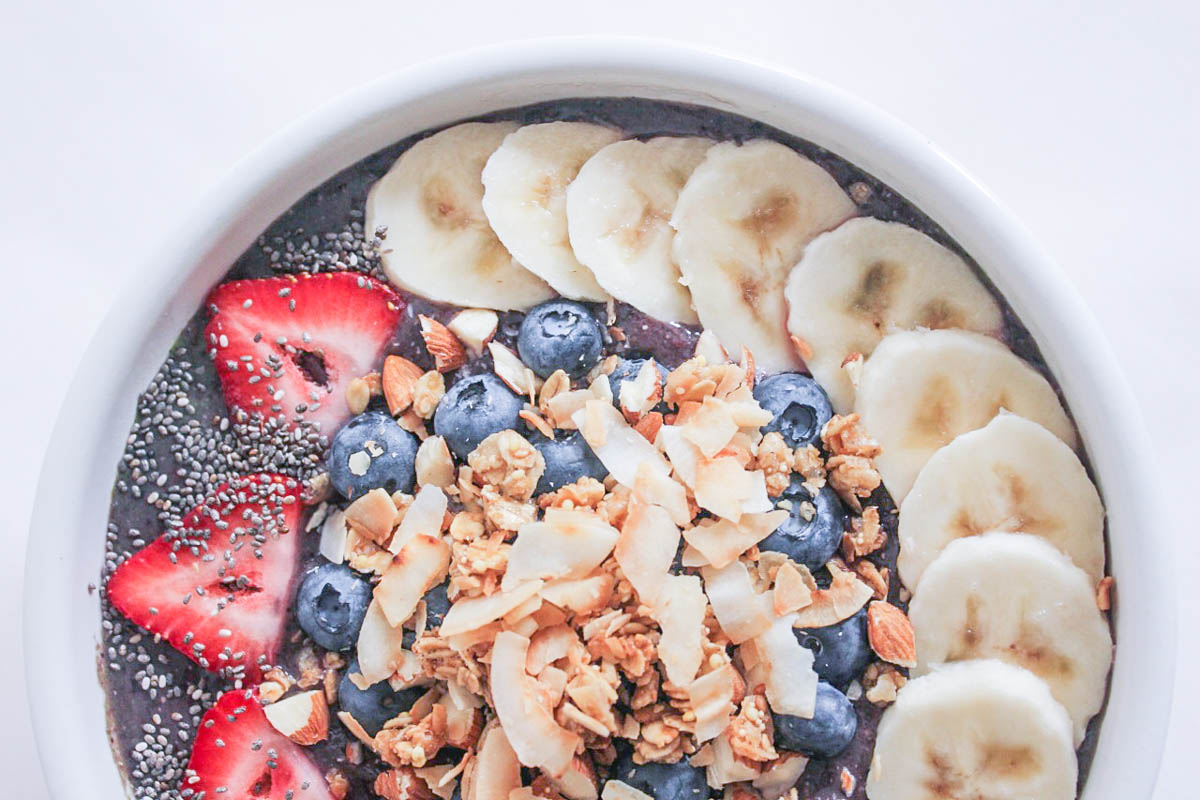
<point x="1001" y="529"/>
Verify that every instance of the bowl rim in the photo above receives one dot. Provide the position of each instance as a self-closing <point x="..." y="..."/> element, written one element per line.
<point x="61" y="630"/>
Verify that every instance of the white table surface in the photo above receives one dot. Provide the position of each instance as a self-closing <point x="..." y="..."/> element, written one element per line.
<point x="1082" y="117"/>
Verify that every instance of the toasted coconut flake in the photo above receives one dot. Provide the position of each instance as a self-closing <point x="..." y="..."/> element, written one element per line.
<point x="721" y="542"/>
<point x="643" y="392"/>
<point x="711" y="699"/>
<point x="352" y="725"/>
<point x="424" y="516"/>
<point x="303" y="718"/>
<point x="844" y="597"/>
<point x="433" y="775"/>
<point x="584" y="596"/>
<point x="791" y="592"/>
<point x="434" y="464"/>
<point x="622" y="449"/>
<point x="418" y="567"/>
<point x="684" y="456"/>
<point x="680" y="611"/>
<point x="649" y="425"/>
<point x="536" y="738"/>
<point x="509" y="367"/>
<point x="790" y="678"/>
<point x="726" y="768"/>
<point x="473" y="613"/>
<point x="579" y="782"/>
<point x="474" y="327"/>
<point x="729" y="491"/>
<point x="549" y="645"/>
<point x="711" y="427"/>
<point x="463" y="725"/>
<point x="780" y="775"/>
<point x="447" y="351"/>
<point x="654" y="487"/>
<point x="380" y="645"/>
<point x="567" y="543"/>
<point x="601" y="387"/>
<point x="711" y="348"/>
<point x="462" y="642"/>
<point x="619" y="790"/>
<point x="333" y="536"/>
<point x="373" y="515"/>
<point x="649" y="540"/>
<point x="561" y="408"/>
<point x="741" y="611"/>
<point x="495" y="770"/>
<point x="398" y="378"/>
<point x="692" y="557"/>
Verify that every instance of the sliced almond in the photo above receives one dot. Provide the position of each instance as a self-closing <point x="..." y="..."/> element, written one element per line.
<point x="373" y="516"/>
<point x="463" y="726"/>
<point x="303" y="718"/>
<point x="447" y="351"/>
<point x="891" y="634"/>
<point x="509" y="368"/>
<point x="474" y="327"/>
<point x="398" y="378"/>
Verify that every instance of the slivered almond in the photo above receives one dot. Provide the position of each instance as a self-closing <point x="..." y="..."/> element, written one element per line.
<point x="891" y="634"/>
<point x="303" y="718"/>
<point x="447" y="351"/>
<point x="402" y="783"/>
<point x="398" y="378"/>
<point x="536" y="421"/>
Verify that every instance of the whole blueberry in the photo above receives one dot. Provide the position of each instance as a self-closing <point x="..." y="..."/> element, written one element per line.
<point x="375" y="705"/>
<point x="678" y="781"/>
<point x="330" y="605"/>
<point x="800" y="406"/>
<point x="560" y="334"/>
<point x="813" y="530"/>
<point x="568" y="458"/>
<point x="840" y="652"/>
<point x="626" y="370"/>
<point x="436" y="606"/>
<point x="828" y="732"/>
<point x="474" y="409"/>
<point x="372" y="451"/>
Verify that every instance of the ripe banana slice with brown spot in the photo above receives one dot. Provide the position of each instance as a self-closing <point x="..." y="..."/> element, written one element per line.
<point x="868" y="278"/>
<point x="525" y="198"/>
<point x="1013" y="597"/>
<point x="439" y="244"/>
<point x="983" y="730"/>
<point x="742" y="221"/>
<point x="1010" y="475"/>
<point x="922" y="388"/>
<point x="618" y="215"/>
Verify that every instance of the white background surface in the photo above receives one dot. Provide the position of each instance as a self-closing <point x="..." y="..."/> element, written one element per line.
<point x="116" y="117"/>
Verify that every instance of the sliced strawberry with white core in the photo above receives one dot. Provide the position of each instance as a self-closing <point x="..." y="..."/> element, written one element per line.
<point x="290" y="345"/>
<point x="238" y="754"/>
<point x="218" y="588"/>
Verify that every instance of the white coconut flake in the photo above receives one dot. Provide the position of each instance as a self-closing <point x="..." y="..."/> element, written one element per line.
<point x="711" y="427"/>
<point x="680" y="613"/>
<point x="620" y="448"/>
<point x="359" y="462"/>
<point x="780" y="776"/>
<point x="424" y="516"/>
<point x="472" y="613"/>
<point x="418" y="567"/>
<point x="741" y="611"/>
<point x="618" y="790"/>
<point x="725" y="767"/>
<point x="653" y="487"/>
<point x="648" y="543"/>
<point x="711" y="698"/>
<point x="380" y="646"/>
<point x="566" y="543"/>
<point x="721" y="541"/>
<point x="333" y="537"/>
<point x="684" y="456"/>
<point x="791" y="680"/>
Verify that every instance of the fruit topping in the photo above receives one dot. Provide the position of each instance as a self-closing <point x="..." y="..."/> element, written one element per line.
<point x="840" y="651"/>
<point x="568" y="458"/>
<point x="218" y="588"/>
<point x="372" y="452"/>
<point x="812" y="530"/>
<point x="473" y="409"/>
<point x="826" y="733"/>
<point x="560" y="334"/>
<point x="374" y="705"/>
<point x="331" y="604"/>
<point x="291" y="345"/>
<point x="799" y="406"/>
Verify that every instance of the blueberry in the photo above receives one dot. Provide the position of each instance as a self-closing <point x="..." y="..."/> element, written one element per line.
<point x="373" y="442"/>
<point x="375" y="705"/>
<point x="568" y="458"/>
<point x="560" y="334"/>
<point x="828" y="732"/>
<point x="436" y="606"/>
<point x="678" y="781"/>
<point x="800" y="406"/>
<point x="841" y="651"/>
<point x="626" y="370"/>
<point x="473" y="409"/>
<point x="812" y="542"/>
<point x="331" y="604"/>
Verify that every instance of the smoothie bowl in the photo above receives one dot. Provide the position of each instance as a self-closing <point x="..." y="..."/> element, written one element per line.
<point x="598" y="419"/>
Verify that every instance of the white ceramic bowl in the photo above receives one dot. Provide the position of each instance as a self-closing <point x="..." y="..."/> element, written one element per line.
<point x="62" y="618"/>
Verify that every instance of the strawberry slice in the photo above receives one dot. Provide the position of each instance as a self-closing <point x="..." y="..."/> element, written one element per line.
<point x="218" y="589"/>
<point x="296" y="341"/>
<point x="237" y="754"/>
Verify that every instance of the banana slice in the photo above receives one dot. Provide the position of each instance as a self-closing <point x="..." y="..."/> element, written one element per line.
<point x="868" y="278"/>
<point x="741" y="222"/>
<point x="1015" y="598"/>
<point x="920" y="389"/>
<point x="525" y="198"/>
<point x="1010" y="475"/>
<point x="618" y="214"/>
<point x="983" y="730"/>
<point x="439" y="244"/>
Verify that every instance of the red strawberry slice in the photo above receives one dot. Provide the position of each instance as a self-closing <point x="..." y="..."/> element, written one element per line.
<point x="238" y="755"/>
<point x="296" y="341"/>
<point x="219" y="588"/>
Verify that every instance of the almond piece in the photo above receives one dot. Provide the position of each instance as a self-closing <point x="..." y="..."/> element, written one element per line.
<point x="399" y="377"/>
<point x="358" y="394"/>
<point x="402" y="783"/>
<point x="891" y="634"/>
<point x="303" y="718"/>
<point x="874" y="577"/>
<point x="579" y="782"/>
<point x="474" y="327"/>
<point x="649" y="425"/>
<point x="447" y="351"/>
<point x="509" y="368"/>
